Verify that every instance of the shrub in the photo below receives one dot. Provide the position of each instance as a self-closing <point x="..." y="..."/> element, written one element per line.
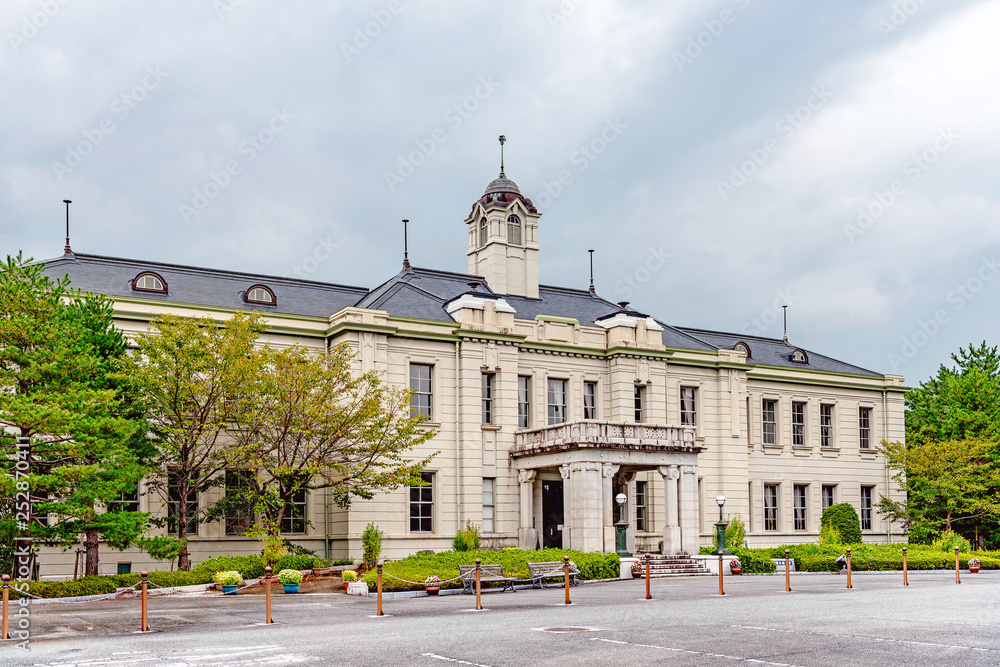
<point x="343" y="561"/>
<point x="949" y="540"/>
<point x="736" y="533"/>
<point x="514" y="561"/>
<point x="290" y="577"/>
<point x="253" y="566"/>
<point x="371" y="543"/>
<point x="752" y="561"/>
<point x="844" y="518"/>
<point x="349" y="575"/>
<point x="228" y="578"/>
<point x="829" y="535"/>
<point x="467" y="539"/>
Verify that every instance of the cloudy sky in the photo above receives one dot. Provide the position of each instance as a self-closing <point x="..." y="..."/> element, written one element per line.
<point x="724" y="158"/>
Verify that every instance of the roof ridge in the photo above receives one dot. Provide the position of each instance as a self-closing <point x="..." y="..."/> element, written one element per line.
<point x="741" y="336"/>
<point x="204" y="271"/>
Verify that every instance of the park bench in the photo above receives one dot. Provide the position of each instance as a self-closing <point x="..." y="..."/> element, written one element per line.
<point x="539" y="571"/>
<point x="488" y="573"/>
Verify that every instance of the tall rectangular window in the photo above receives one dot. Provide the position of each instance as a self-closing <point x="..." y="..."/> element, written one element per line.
<point x="801" y="493"/>
<point x="689" y="416"/>
<point x="639" y="394"/>
<point x="523" y="401"/>
<point x="826" y="425"/>
<point x="126" y="502"/>
<point x="769" y="421"/>
<point x="640" y="506"/>
<point x="422" y="505"/>
<point x="798" y="423"/>
<point x="770" y="507"/>
<point x="294" y="519"/>
<point x="557" y="401"/>
<point x="488" y="379"/>
<point x="590" y="400"/>
<point x="828" y="495"/>
<point x="489" y="504"/>
<point x="865" y="427"/>
<point x="514" y="230"/>
<point x="239" y="508"/>
<point x="421" y="401"/>
<point x="866" y="508"/>
<point x="174" y="506"/>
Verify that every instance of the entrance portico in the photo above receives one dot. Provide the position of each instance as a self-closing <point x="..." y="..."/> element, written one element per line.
<point x="591" y="458"/>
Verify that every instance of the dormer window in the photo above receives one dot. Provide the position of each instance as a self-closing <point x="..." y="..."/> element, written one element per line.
<point x="260" y="295"/>
<point x="744" y="348"/>
<point x="514" y="230"/>
<point x="483" y="232"/>
<point x="799" y="357"/>
<point x="149" y="282"/>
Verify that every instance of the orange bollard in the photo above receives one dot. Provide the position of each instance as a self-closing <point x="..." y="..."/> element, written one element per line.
<point x="6" y="603"/>
<point x="267" y="594"/>
<point x="479" y="602"/>
<point x="721" y="591"/>
<point x="958" y="576"/>
<point x="849" y="569"/>
<point x="788" y="576"/>
<point x="145" y="601"/>
<point x="380" y="589"/>
<point x="566" y="576"/>
<point x="648" y="594"/>
<point x="905" y="582"/>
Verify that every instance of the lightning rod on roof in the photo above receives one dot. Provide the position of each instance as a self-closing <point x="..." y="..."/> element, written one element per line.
<point x="785" y="312"/>
<point x="503" y="140"/>
<point x="67" y="250"/>
<point x="593" y="292"/>
<point x="406" y="244"/>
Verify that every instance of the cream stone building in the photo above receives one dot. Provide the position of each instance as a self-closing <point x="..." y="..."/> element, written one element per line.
<point x="547" y="402"/>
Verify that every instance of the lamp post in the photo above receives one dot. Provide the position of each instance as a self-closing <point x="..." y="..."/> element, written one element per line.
<point x="622" y="526"/>
<point x="720" y="529"/>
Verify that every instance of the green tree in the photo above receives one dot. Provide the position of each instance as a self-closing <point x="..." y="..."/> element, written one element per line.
<point x="305" y="422"/>
<point x="952" y="427"/>
<point x="190" y="370"/>
<point x="59" y="352"/>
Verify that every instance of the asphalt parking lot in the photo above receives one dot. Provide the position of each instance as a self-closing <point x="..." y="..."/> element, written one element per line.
<point x="879" y="622"/>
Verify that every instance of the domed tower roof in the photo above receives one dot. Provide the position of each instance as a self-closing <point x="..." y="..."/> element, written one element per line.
<point x="502" y="191"/>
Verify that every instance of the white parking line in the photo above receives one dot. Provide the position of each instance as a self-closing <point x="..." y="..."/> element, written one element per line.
<point x="435" y="656"/>
<point x="737" y="658"/>
<point x="871" y="639"/>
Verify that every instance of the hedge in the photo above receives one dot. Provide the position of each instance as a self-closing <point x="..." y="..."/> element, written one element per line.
<point x="864" y="557"/>
<point x="514" y="561"/>
<point x="251" y="567"/>
<point x="844" y="518"/>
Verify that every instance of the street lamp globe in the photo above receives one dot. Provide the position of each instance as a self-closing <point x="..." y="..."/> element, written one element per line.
<point x="621" y="498"/>
<point x="721" y="500"/>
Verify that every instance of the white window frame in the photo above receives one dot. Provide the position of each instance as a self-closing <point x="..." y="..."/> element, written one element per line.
<point x="415" y="409"/>
<point x="865" y="427"/>
<point x="826" y="421"/>
<point x="524" y="401"/>
<point x="866" y="516"/>
<point x="590" y="394"/>
<point x="488" y="404"/>
<point x="799" y="427"/>
<point x="800" y="509"/>
<point x="553" y="417"/>
<point x="424" y="498"/>
<point x="689" y="406"/>
<point x="764" y="422"/>
<point x="489" y="504"/>
<point x="772" y="515"/>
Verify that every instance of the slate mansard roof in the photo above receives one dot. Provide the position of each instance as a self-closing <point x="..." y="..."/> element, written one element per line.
<point x="414" y="293"/>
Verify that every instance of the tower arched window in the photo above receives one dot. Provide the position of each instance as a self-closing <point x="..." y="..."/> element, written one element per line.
<point x="483" y="232"/>
<point x="149" y="282"/>
<point x="514" y="230"/>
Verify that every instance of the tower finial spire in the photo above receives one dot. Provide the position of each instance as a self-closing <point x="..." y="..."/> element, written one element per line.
<point x="503" y="140"/>
<point x="593" y="292"/>
<point x="67" y="250"/>
<point x="785" y="313"/>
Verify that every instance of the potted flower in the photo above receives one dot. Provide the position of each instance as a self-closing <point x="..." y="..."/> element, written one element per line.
<point x="735" y="566"/>
<point x="348" y="576"/>
<point x="432" y="584"/>
<point x="973" y="565"/>
<point x="230" y="580"/>
<point x="290" y="579"/>
<point x="636" y="570"/>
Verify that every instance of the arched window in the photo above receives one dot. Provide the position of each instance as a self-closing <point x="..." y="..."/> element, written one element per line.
<point x="260" y="295"/>
<point x="149" y="282"/>
<point x="744" y="348"/>
<point x="514" y="230"/>
<point x="483" y="232"/>
<point x="799" y="357"/>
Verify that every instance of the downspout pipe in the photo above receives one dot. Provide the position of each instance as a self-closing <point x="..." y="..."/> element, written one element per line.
<point x="885" y="437"/>
<point x="458" y="436"/>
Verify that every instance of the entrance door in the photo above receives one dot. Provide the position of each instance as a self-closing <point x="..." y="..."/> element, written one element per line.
<point x="552" y="514"/>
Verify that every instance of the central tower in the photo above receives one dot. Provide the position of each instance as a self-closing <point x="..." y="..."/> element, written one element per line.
<point x="503" y="238"/>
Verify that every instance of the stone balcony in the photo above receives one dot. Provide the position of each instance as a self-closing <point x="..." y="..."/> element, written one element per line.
<point x="583" y="435"/>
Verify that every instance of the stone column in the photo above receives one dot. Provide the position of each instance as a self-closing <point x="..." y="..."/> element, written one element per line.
<point x="688" y="509"/>
<point x="569" y="505"/>
<point x="527" y="536"/>
<point x="671" y="529"/>
<point x="608" y="506"/>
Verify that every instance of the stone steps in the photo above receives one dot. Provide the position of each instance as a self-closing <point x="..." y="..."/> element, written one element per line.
<point x="672" y="566"/>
